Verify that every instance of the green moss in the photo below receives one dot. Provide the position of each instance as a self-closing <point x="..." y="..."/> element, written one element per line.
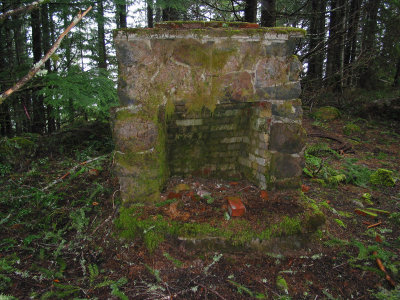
<point x="351" y="128"/>
<point x="217" y="32"/>
<point x="153" y="230"/>
<point x="382" y="177"/>
<point x="326" y="113"/>
<point x="281" y="284"/>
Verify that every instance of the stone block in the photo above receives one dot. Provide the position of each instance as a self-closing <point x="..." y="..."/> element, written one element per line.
<point x="290" y="109"/>
<point x="287" y="138"/>
<point x="277" y="49"/>
<point x="287" y="91"/>
<point x="285" y="166"/>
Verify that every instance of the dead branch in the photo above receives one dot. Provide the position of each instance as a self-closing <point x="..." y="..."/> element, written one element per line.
<point x="382" y="268"/>
<point x="41" y="62"/>
<point x="21" y="9"/>
<point x="343" y="146"/>
<point x="70" y="171"/>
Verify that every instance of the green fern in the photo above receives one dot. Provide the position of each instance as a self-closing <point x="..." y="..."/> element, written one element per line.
<point x="93" y="273"/>
<point x="356" y="174"/>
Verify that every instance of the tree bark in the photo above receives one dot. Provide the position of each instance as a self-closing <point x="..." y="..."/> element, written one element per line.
<point x="38" y="117"/>
<point x="396" y="80"/>
<point x="317" y="42"/>
<point x="367" y="74"/>
<point x="101" y="38"/>
<point x="351" y="39"/>
<point x="121" y="13"/>
<point x="268" y="13"/>
<point x="51" y="123"/>
<point x="334" y="64"/>
<point x="150" y="13"/>
<point x="250" y="11"/>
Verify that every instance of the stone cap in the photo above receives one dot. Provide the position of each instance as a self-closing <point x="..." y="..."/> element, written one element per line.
<point x="213" y="28"/>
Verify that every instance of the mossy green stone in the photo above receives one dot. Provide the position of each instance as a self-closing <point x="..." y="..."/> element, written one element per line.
<point x="382" y="177"/>
<point x="326" y="113"/>
<point x="351" y="128"/>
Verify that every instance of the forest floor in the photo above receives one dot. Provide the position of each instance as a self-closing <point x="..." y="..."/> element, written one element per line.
<point x="58" y="237"/>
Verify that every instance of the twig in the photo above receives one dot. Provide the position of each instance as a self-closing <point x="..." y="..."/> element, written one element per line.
<point x="211" y="290"/>
<point x="21" y="9"/>
<point x="41" y="62"/>
<point x="105" y="221"/>
<point x="374" y="225"/>
<point x="70" y="171"/>
<point x="382" y="268"/>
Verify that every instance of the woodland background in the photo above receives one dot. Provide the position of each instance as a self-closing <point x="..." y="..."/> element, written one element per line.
<point x="351" y="53"/>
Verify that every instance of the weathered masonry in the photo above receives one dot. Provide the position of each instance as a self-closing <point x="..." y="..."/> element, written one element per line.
<point x="208" y="99"/>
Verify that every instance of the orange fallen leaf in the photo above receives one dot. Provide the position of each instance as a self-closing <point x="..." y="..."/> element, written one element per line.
<point x="233" y="183"/>
<point x="94" y="172"/>
<point x="56" y="280"/>
<point x="172" y="195"/>
<point x="305" y="188"/>
<point x="264" y="195"/>
<point x="382" y="268"/>
<point x="173" y="210"/>
<point x="95" y="203"/>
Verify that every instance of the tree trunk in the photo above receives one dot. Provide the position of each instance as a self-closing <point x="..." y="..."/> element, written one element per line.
<point x="351" y="39"/>
<point x="38" y="118"/>
<point x="367" y="78"/>
<point x="268" y="13"/>
<point x="170" y="13"/>
<point x="121" y="13"/>
<point x="396" y="81"/>
<point x="334" y="65"/>
<point x="250" y="11"/>
<point x="150" y="13"/>
<point x="101" y="38"/>
<point x="316" y="45"/>
<point x="51" y="124"/>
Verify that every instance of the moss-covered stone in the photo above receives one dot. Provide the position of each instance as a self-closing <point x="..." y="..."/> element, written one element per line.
<point x="382" y="177"/>
<point x="326" y="113"/>
<point x="351" y="129"/>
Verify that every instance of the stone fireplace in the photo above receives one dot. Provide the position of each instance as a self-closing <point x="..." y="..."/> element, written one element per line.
<point x="207" y="99"/>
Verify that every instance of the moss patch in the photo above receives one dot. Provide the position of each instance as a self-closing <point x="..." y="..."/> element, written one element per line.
<point x="326" y="113"/>
<point x="382" y="177"/>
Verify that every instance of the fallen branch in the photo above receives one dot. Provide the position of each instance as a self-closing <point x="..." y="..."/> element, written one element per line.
<point x="41" y="62"/>
<point x="374" y="225"/>
<point x="382" y="268"/>
<point x="21" y="9"/>
<point x="343" y="146"/>
<point x="70" y="171"/>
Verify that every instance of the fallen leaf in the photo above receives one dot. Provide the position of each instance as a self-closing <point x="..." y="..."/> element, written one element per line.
<point x="185" y="216"/>
<point x="173" y="210"/>
<point x="264" y="195"/>
<point x="365" y="213"/>
<point x="172" y="195"/>
<point x="56" y="280"/>
<point x="378" y="238"/>
<point x="181" y="187"/>
<point x="94" y="172"/>
<point x="305" y="188"/>
<point x="95" y="203"/>
<point x="233" y="183"/>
